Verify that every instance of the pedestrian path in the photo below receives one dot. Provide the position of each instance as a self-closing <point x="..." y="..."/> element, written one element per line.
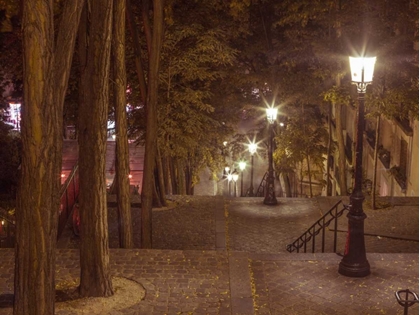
<point x="227" y="256"/>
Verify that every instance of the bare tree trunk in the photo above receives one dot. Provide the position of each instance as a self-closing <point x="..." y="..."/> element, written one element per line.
<point x="341" y="151"/>
<point x="174" y="177"/>
<point x="182" y="190"/>
<point x="309" y="175"/>
<point x="122" y="167"/>
<point x="156" y="200"/>
<point x="151" y="126"/>
<point x="161" y="179"/>
<point x="301" y="178"/>
<point x="375" y="162"/>
<point x="137" y="49"/>
<point x="287" y="187"/>
<point x="95" y="47"/>
<point x="168" y="178"/>
<point x="45" y="67"/>
<point x="329" y="189"/>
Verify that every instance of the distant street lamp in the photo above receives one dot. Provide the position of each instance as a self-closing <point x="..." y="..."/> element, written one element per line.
<point x="252" y="147"/>
<point x="235" y="178"/>
<point x="270" y="194"/>
<point x="242" y="166"/>
<point x="354" y="262"/>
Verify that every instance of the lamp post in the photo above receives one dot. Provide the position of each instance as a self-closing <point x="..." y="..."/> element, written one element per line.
<point x="235" y="178"/>
<point x="242" y="166"/>
<point x="229" y="177"/>
<point x="354" y="262"/>
<point x="225" y="175"/>
<point x="270" y="194"/>
<point x="252" y="147"/>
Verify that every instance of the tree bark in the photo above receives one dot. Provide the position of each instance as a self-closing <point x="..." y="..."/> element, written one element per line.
<point x="122" y="167"/>
<point x="137" y="49"/>
<point x="341" y="151"/>
<point x="161" y="179"/>
<point x="287" y="185"/>
<point x="375" y="162"/>
<point x="329" y="188"/>
<point x="95" y="46"/>
<point x="151" y="126"/>
<point x="45" y="67"/>
<point x="309" y="174"/>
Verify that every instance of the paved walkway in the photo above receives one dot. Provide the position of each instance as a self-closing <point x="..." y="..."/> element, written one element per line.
<point x="227" y="256"/>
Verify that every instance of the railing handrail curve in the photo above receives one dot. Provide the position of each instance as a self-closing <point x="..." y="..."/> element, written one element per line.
<point x="316" y="228"/>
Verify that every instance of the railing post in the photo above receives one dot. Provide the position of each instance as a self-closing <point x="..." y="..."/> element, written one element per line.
<point x="313" y="239"/>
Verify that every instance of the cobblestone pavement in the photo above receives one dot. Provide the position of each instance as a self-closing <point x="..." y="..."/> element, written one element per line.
<point x="310" y="284"/>
<point x="227" y="256"/>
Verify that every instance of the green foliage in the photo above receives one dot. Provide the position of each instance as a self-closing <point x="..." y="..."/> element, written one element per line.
<point x="303" y="136"/>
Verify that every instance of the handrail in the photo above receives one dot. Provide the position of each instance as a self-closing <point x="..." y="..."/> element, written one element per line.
<point x="316" y="228"/>
<point x="261" y="187"/>
<point x="7" y="230"/>
<point x="69" y="193"/>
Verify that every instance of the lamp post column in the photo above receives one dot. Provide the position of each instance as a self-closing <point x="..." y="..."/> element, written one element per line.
<point x="251" y="188"/>
<point x="229" y="177"/>
<point x="252" y="147"/>
<point x="235" y="179"/>
<point x="354" y="262"/>
<point x="270" y="195"/>
<point x="242" y="166"/>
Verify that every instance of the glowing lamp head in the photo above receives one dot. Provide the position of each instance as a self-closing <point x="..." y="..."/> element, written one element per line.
<point x="235" y="177"/>
<point x="362" y="69"/>
<point x="271" y="114"/>
<point x="252" y="147"/>
<point x="242" y="165"/>
<point x="230" y="177"/>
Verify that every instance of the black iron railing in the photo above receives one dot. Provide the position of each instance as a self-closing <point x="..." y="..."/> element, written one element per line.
<point x="7" y="230"/>
<point x="69" y="194"/>
<point x="261" y="187"/>
<point x="319" y="227"/>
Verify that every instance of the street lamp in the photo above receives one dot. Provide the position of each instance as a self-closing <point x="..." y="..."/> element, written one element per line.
<point x="242" y="166"/>
<point x="354" y="262"/>
<point x="235" y="178"/>
<point x="252" y="147"/>
<point x="270" y="194"/>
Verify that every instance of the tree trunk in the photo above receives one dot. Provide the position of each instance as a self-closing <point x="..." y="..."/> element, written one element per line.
<point x="45" y="68"/>
<point x="168" y="178"/>
<point x="174" y="177"/>
<point x="301" y="178"/>
<point x="182" y="190"/>
<point x="95" y="46"/>
<point x="156" y="200"/>
<point x="137" y="49"/>
<point x="375" y="162"/>
<point x="341" y="151"/>
<point x="151" y="126"/>
<point x="122" y="167"/>
<point x="329" y="188"/>
<point x="287" y="185"/>
<point x="161" y="179"/>
<point x="309" y="175"/>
